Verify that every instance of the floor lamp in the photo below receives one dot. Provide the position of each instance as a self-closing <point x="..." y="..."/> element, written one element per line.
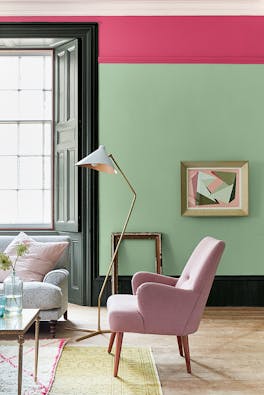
<point x="101" y="161"/>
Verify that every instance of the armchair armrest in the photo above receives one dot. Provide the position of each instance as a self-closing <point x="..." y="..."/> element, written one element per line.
<point x="56" y="277"/>
<point x="59" y="278"/>
<point x="165" y="308"/>
<point x="145" y="277"/>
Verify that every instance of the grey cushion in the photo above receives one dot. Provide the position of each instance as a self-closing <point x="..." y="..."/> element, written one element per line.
<point x="39" y="295"/>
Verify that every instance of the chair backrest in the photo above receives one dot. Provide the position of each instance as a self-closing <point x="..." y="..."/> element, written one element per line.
<point x="198" y="276"/>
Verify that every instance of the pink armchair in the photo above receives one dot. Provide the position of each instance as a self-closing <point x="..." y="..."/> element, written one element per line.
<point x="166" y="305"/>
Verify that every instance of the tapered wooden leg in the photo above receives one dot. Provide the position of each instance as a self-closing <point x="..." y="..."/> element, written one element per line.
<point x="179" y="339"/>
<point x="119" y="339"/>
<point x="20" y="363"/>
<point x="186" y="353"/>
<point x="36" y="349"/>
<point x="111" y="341"/>
<point x="52" y="325"/>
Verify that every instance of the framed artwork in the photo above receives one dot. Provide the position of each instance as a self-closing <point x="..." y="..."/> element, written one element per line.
<point x="214" y="188"/>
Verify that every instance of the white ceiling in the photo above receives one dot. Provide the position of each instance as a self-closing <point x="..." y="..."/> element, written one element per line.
<point x="130" y="7"/>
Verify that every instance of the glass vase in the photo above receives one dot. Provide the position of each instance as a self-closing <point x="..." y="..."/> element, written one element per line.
<point x="13" y="290"/>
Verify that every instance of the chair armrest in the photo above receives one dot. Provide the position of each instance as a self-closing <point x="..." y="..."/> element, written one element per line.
<point x="165" y="308"/>
<point x="56" y="276"/>
<point x="145" y="277"/>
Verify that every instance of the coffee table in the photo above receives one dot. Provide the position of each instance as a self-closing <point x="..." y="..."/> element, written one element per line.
<point x="19" y="325"/>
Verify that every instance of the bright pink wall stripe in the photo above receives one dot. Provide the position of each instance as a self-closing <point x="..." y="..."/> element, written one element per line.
<point x="173" y="39"/>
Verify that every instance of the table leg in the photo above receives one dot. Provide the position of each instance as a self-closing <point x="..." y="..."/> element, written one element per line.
<point x="20" y="363"/>
<point x="36" y="348"/>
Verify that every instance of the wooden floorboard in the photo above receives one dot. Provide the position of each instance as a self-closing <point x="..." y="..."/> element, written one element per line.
<point x="227" y="352"/>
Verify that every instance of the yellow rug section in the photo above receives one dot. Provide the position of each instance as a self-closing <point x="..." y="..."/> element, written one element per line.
<point x="89" y="371"/>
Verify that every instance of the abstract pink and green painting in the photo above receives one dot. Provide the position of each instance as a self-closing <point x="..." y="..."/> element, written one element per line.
<point x="218" y="187"/>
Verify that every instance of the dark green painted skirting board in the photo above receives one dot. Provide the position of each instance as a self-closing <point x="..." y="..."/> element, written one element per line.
<point x="226" y="290"/>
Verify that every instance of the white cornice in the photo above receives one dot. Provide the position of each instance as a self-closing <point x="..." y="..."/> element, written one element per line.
<point x="130" y="7"/>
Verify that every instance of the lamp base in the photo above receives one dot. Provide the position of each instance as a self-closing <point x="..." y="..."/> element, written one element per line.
<point x="91" y="333"/>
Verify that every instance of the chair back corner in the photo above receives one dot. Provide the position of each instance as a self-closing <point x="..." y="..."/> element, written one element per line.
<point x="202" y="264"/>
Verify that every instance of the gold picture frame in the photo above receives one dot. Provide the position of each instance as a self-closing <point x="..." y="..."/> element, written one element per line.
<point x="217" y="188"/>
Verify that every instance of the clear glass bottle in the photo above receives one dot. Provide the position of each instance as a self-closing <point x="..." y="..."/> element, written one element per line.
<point x="13" y="290"/>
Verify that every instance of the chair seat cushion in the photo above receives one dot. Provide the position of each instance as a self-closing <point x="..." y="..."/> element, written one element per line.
<point x="41" y="295"/>
<point x="123" y="314"/>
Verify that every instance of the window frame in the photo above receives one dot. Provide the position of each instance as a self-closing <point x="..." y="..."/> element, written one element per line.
<point x="83" y="291"/>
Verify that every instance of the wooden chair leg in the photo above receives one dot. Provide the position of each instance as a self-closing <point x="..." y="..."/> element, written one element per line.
<point x="111" y="341"/>
<point x="119" y="340"/>
<point x="52" y="325"/>
<point x="186" y="353"/>
<point x="179" y="339"/>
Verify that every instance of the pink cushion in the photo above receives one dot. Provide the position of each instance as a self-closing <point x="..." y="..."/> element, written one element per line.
<point x="38" y="261"/>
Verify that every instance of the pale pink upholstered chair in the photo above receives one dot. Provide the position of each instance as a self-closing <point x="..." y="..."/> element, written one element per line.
<point x="166" y="305"/>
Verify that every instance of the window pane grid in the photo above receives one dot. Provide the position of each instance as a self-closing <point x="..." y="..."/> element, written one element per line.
<point x="26" y="141"/>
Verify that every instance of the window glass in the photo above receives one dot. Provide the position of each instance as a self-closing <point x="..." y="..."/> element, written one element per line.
<point x="48" y="73"/>
<point x="8" y="207"/>
<point x="26" y="139"/>
<point x="47" y="110"/>
<point x="9" y="72"/>
<point x="31" y="72"/>
<point x="31" y="104"/>
<point x="46" y="206"/>
<point x="47" y="173"/>
<point x="8" y="166"/>
<point x="8" y="139"/>
<point x="30" y="206"/>
<point x="47" y="138"/>
<point x="9" y="105"/>
<point x="30" y="173"/>
<point x="30" y="139"/>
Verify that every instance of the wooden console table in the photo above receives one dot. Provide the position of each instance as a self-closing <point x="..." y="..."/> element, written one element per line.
<point x="135" y="236"/>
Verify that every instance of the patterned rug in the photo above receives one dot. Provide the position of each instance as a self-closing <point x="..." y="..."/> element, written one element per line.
<point x="49" y="355"/>
<point x="89" y="371"/>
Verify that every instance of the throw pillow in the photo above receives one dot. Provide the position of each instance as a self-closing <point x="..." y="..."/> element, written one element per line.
<point x="38" y="261"/>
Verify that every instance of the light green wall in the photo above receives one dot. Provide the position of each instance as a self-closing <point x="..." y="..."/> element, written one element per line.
<point x="151" y="117"/>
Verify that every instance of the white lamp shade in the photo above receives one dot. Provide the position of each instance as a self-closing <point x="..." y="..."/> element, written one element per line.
<point x="98" y="160"/>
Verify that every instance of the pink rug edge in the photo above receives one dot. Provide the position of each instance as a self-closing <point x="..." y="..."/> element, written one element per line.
<point x="61" y="345"/>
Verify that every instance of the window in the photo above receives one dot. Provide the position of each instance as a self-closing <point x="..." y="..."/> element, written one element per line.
<point x="70" y="52"/>
<point x="26" y="190"/>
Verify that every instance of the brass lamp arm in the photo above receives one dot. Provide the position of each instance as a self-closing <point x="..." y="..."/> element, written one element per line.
<point x="101" y="161"/>
<point x="120" y="238"/>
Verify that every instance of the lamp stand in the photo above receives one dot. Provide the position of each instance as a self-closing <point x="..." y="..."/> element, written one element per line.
<point x="99" y="331"/>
